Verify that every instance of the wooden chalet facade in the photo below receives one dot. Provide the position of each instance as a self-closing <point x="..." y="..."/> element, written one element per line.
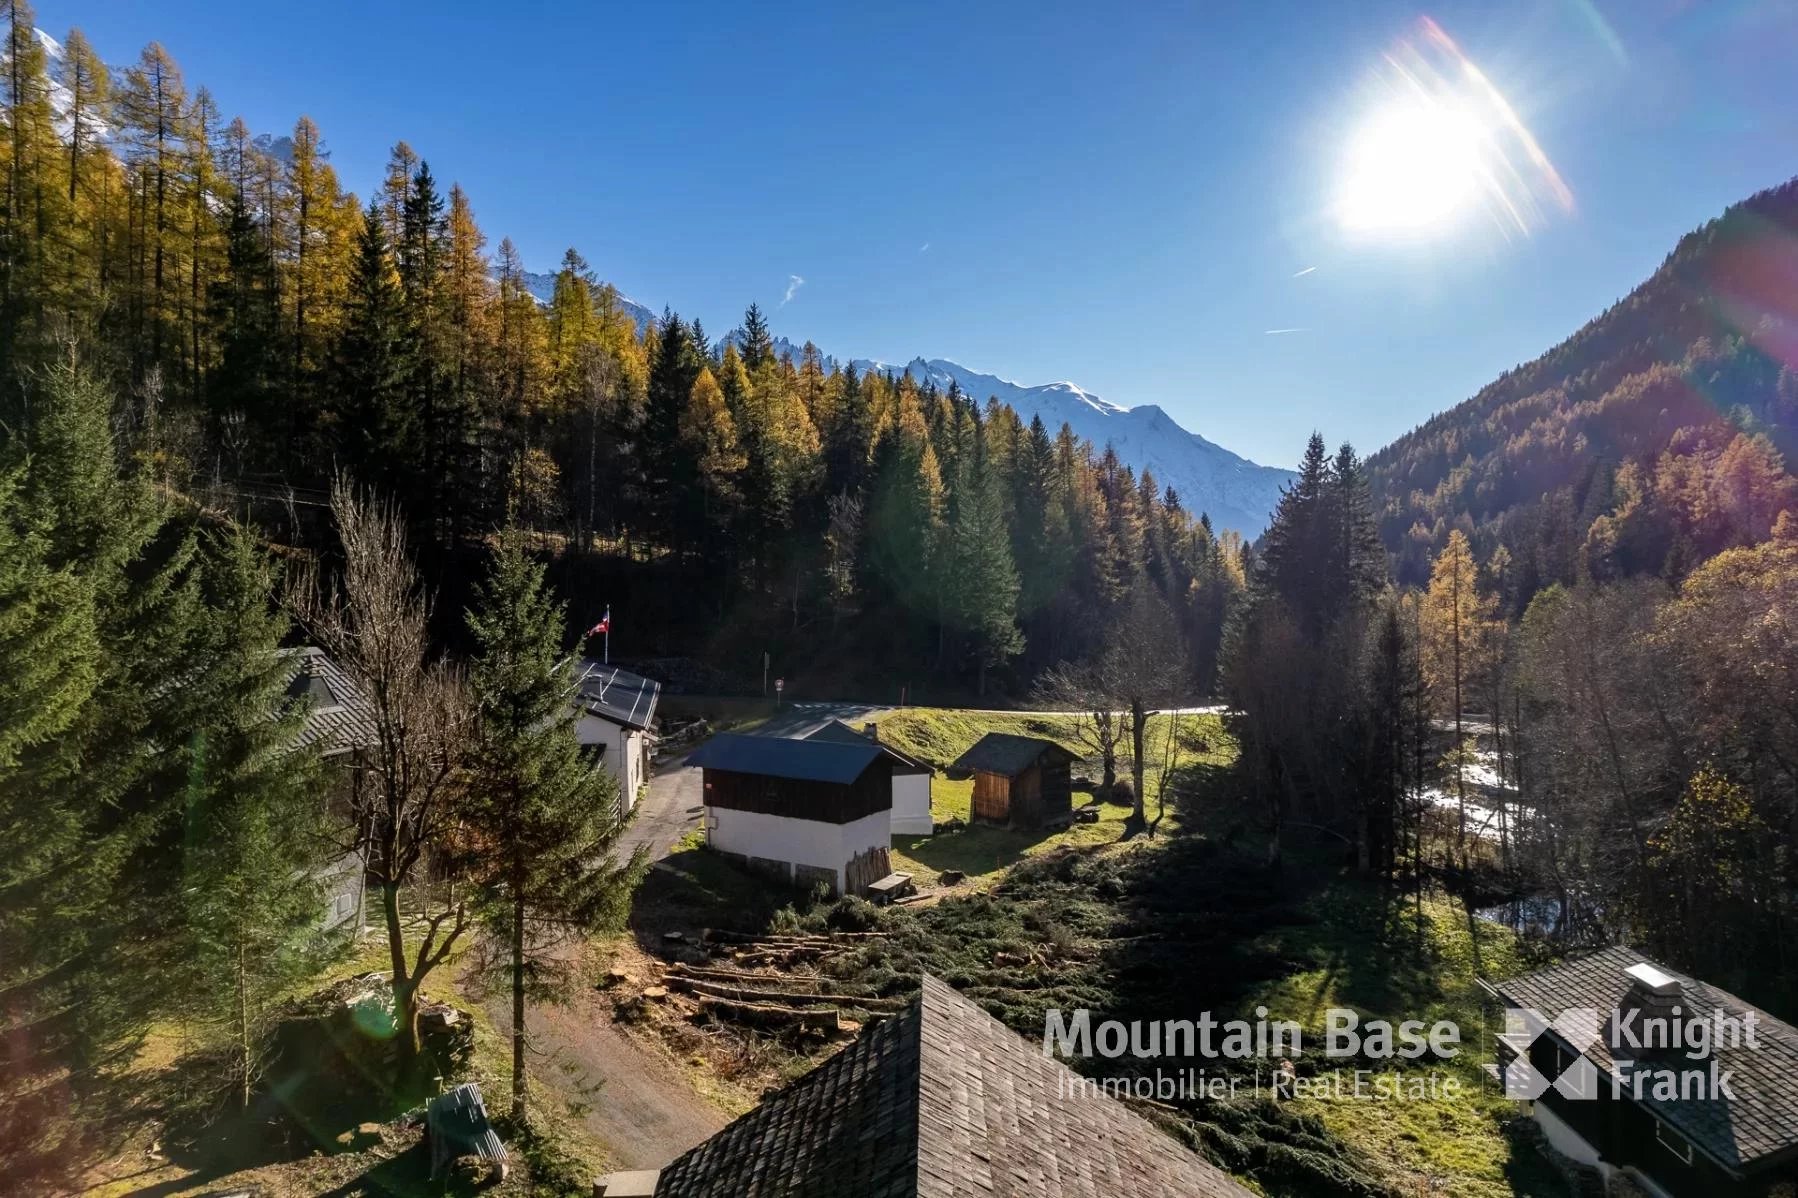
<point x="1019" y="781"/>
<point x="1611" y="1128"/>
<point x="806" y="812"/>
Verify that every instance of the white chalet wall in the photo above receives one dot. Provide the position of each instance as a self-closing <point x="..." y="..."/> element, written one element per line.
<point x="797" y="841"/>
<point x="911" y="805"/>
<point x="625" y="752"/>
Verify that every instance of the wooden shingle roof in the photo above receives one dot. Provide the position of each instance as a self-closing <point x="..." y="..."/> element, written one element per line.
<point x="1757" y="1127"/>
<point x="942" y="1101"/>
<point x="338" y="718"/>
<point x="1007" y="754"/>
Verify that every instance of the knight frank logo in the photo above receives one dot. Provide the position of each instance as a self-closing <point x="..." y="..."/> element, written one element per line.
<point x="1667" y="1055"/>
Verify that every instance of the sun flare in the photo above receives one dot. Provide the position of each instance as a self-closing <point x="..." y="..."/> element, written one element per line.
<point x="1438" y="145"/>
<point x="1414" y="166"/>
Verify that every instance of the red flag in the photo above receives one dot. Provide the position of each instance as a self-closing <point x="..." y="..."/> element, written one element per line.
<point x="604" y="625"/>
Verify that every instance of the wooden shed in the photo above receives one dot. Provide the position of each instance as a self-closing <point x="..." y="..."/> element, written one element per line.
<point x="1019" y="781"/>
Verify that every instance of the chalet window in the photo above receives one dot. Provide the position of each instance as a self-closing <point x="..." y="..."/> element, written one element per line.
<point x="1673" y="1142"/>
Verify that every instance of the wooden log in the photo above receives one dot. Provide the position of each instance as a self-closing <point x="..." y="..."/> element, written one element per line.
<point x="725" y="936"/>
<point x="723" y="990"/>
<point x="757" y="1014"/>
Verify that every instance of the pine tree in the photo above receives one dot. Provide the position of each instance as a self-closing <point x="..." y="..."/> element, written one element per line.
<point x="96" y="778"/>
<point x="1295" y="547"/>
<point x="758" y="343"/>
<point x="709" y="441"/>
<point x="319" y="232"/>
<point x="375" y="429"/>
<point x="253" y="839"/>
<point x="1459" y="630"/>
<point x="419" y="258"/>
<point x="31" y="206"/>
<point x="979" y="575"/>
<point x="245" y="316"/>
<point x="152" y="109"/>
<point x="548" y="818"/>
<point x="1357" y="559"/>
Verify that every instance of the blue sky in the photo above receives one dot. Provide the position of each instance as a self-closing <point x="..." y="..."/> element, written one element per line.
<point x="1116" y="194"/>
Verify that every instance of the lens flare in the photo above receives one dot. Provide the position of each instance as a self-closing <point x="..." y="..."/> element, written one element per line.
<point x="1439" y="143"/>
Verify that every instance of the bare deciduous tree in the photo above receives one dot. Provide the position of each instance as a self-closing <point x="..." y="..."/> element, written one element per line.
<point x="373" y="619"/>
<point x="1098" y="723"/>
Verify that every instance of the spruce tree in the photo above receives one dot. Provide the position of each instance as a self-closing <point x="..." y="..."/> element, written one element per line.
<point x="547" y="815"/>
<point x="980" y="577"/>
<point x="92" y="796"/>
<point x="254" y="838"/>
<point x="758" y="343"/>
<point x="1356" y="558"/>
<point x="246" y="416"/>
<point x="374" y="424"/>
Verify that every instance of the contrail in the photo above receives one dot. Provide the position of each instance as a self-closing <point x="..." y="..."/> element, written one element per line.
<point x="1301" y="274"/>
<point x="1277" y="332"/>
<point x="794" y="283"/>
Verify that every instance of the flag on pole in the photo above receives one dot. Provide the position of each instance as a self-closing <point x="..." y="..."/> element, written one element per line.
<point x="604" y="625"/>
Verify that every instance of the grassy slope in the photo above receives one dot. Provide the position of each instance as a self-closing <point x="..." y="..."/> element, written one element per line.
<point x="1406" y="964"/>
<point x="394" y="1168"/>
<point x="983" y="853"/>
<point x="1192" y="921"/>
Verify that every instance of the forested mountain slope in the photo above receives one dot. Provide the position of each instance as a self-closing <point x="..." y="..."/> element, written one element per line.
<point x="1655" y="437"/>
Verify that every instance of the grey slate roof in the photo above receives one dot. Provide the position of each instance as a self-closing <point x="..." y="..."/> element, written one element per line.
<point x="1761" y="1123"/>
<point x="617" y="695"/>
<point x="843" y="734"/>
<point x="778" y="757"/>
<point x="338" y="718"/>
<point x="942" y="1101"/>
<point x="1004" y="753"/>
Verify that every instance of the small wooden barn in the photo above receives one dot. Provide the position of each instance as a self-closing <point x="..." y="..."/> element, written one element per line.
<point x="805" y="811"/>
<point x="1019" y="781"/>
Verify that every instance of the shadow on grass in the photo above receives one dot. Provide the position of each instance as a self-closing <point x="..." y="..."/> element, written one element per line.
<point x="974" y="850"/>
<point x="330" y="1070"/>
<point x="695" y="888"/>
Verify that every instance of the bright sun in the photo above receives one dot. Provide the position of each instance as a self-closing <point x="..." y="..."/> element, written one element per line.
<point x="1439" y="145"/>
<point x="1415" y="167"/>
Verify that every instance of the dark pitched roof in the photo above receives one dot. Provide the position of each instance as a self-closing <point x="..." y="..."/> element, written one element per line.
<point x="338" y="718"/>
<point x="1004" y="753"/>
<point x="778" y="757"/>
<point x="1760" y="1123"/>
<point x="843" y="734"/>
<point x="942" y="1101"/>
<point x="617" y="695"/>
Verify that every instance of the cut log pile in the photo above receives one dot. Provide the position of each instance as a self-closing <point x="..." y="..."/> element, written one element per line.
<point x="753" y="982"/>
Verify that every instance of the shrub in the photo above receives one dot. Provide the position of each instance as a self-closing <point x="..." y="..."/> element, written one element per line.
<point x="852" y="914"/>
<point x="1123" y="793"/>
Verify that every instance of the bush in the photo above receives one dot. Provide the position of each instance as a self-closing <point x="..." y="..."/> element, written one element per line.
<point x="1123" y="793"/>
<point x="852" y="914"/>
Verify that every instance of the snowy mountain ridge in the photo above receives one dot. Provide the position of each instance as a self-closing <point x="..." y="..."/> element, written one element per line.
<point x="1235" y="492"/>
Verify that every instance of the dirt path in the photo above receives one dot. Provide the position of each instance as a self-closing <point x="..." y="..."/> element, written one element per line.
<point x="643" y="1112"/>
<point x="640" y="1108"/>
